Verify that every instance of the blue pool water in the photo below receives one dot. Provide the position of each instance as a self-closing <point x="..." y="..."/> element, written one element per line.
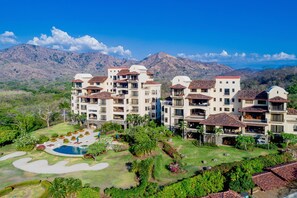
<point x="71" y="150"/>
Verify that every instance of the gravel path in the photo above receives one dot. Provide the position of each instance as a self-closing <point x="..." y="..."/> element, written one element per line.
<point x="42" y="166"/>
<point x="12" y="155"/>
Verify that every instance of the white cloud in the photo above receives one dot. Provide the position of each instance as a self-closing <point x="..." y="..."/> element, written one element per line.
<point x="8" y="38"/>
<point x="63" y="41"/>
<point x="225" y="57"/>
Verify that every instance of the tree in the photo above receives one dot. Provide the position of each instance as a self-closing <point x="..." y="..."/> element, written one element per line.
<point x="289" y="138"/>
<point x="46" y="111"/>
<point x="88" y="193"/>
<point x="200" y="131"/>
<point x="81" y="119"/>
<point x="240" y="178"/>
<point x="25" y="142"/>
<point x="64" y="105"/>
<point x="270" y="135"/>
<point x="245" y="142"/>
<point x="58" y="189"/>
<point x="24" y="122"/>
<point x="182" y="125"/>
<point x="218" y="132"/>
<point x="96" y="149"/>
<point x="137" y="120"/>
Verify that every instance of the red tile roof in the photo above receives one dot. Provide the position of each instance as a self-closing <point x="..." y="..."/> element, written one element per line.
<point x="149" y="73"/>
<point x="93" y="88"/>
<point x="252" y="95"/>
<point x="96" y="79"/>
<point x="101" y="95"/>
<point x="151" y="82"/>
<point x="223" y="119"/>
<point x="77" y="81"/>
<point x="268" y="181"/>
<point x="202" y="84"/>
<point x="123" y="72"/>
<point x="198" y="96"/>
<point x="278" y="99"/>
<point x="226" y="194"/>
<point x="286" y="171"/>
<point x="178" y="86"/>
<point x="227" y="77"/>
<point x="118" y="68"/>
<point x="292" y="111"/>
<point x="259" y="109"/>
<point x="133" y="73"/>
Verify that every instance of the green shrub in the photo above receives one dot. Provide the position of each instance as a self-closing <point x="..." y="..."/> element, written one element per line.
<point x="42" y="139"/>
<point x="5" y="191"/>
<point x="7" y="136"/>
<point x="267" y="146"/>
<point x="55" y="135"/>
<point x="119" y="148"/>
<point x="26" y="183"/>
<point x="81" y="136"/>
<point x="66" y="141"/>
<point x="65" y="187"/>
<point x="88" y="193"/>
<point x="172" y="152"/>
<point x="73" y="138"/>
<point x="96" y="149"/>
<point x="25" y="142"/>
<point x="245" y="142"/>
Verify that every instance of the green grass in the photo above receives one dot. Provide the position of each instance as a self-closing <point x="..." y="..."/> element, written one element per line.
<point x="61" y="128"/>
<point x="32" y="191"/>
<point x="117" y="174"/>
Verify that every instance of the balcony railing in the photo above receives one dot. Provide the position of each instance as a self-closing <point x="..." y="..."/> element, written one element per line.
<point x="255" y="120"/>
<point x="277" y="108"/>
<point x="92" y="118"/>
<point x="178" y="94"/>
<point x="198" y="104"/>
<point x="198" y="116"/>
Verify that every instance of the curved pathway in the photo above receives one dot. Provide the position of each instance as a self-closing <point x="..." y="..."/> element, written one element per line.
<point x="12" y="155"/>
<point x="42" y="166"/>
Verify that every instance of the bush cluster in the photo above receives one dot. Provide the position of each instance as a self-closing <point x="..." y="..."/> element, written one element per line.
<point x="42" y="139"/>
<point x="172" y="152"/>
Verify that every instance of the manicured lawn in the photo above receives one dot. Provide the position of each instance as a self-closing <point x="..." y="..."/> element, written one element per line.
<point x="117" y="174"/>
<point x="61" y="128"/>
<point x="32" y="191"/>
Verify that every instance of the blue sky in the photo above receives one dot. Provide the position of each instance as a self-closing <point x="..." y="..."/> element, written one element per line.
<point x="238" y="33"/>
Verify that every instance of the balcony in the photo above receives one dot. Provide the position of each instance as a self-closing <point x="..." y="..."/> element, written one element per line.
<point x="277" y="108"/>
<point x="178" y="94"/>
<point x="118" y="117"/>
<point x="117" y="109"/>
<point x="255" y="120"/>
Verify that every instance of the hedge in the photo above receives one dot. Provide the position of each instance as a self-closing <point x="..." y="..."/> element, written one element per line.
<point x="5" y="191"/>
<point x="45" y="185"/>
<point x="172" y="152"/>
<point x="26" y="183"/>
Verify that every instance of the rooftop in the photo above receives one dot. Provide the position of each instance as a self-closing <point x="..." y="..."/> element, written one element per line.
<point x="96" y="79"/>
<point x="202" y="84"/>
<point x="252" y="95"/>
<point x="223" y="119"/>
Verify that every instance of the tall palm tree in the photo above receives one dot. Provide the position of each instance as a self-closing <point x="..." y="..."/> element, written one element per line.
<point x="200" y="131"/>
<point x="270" y="135"/>
<point x="182" y="126"/>
<point x="64" y="105"/>
<point x="218" y="132"/>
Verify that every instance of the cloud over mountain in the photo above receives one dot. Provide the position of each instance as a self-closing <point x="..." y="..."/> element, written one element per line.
<point x="225" y="57"/>
<point x="61" y="40"/>
<point x="8" y="38"/>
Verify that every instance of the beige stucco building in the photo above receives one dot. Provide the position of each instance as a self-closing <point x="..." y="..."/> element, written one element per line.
<point x="111" y="98"/>
<point x="220" y="103"/>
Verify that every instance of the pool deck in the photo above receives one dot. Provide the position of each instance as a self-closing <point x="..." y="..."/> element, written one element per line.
<point x="86" y="140"/>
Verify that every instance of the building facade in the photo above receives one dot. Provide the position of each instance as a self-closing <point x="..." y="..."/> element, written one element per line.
<point x="111" y="98"/>
<point x="220" y="103"/>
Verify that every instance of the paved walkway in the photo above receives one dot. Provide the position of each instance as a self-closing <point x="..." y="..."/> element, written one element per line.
<point x="12" y="155"/>
<point x="42" y="166"/>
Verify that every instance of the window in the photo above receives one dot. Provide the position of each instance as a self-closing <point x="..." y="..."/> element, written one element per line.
<point x="233" y="82"/>
<point x="227" y="92"/>
<point x="261" y="102"/>
<point x="233" y="90"/>
<point x="179" y="112"/>
<point x="147" y="100"/>
<point x="226" y="101"/>
<point x="277" y="117"/>
<point x="227" y="82"/>
<point x="214" y="99"/>
<point x="166" y="110"/>
<point x="226" y="109"/>
<point x="239" y="100"/>
<point x="220" y="90"/>
<point x="204" y="90"/>
<point x="220" y="99"/>
<point x="214" y="109"/>
<point x="295" y="128"/>
<point x="214" y="90"/>
<point x="193" y="90"/>
<point x="277" y="128"/>
<point x="220" y="109"/>
<point x="233" y="100"/>
<point x="220" y="82"/>
<point x="166" y="119"/>
<point x="147" y="93"/>
<point x="232" y="109"/>
<point x="249" y="102"/>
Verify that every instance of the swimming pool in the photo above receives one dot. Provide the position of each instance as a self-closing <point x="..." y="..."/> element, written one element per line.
<point x="71" y="150"/>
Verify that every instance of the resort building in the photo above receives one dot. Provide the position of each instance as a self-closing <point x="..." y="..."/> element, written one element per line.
<point x="220" y="103"/>
<point x="111" y="98"/>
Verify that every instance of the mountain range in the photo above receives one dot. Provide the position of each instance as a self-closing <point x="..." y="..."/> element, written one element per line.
<point x="27" y="62"/>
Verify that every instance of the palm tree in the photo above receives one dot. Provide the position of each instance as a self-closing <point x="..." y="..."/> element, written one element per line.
<point x="218" y="132"/>
<point x="64" y="106"/>
<point x="200" y="131"/>
<point x="182" y="126"/>
<point x="270" y="135"/>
